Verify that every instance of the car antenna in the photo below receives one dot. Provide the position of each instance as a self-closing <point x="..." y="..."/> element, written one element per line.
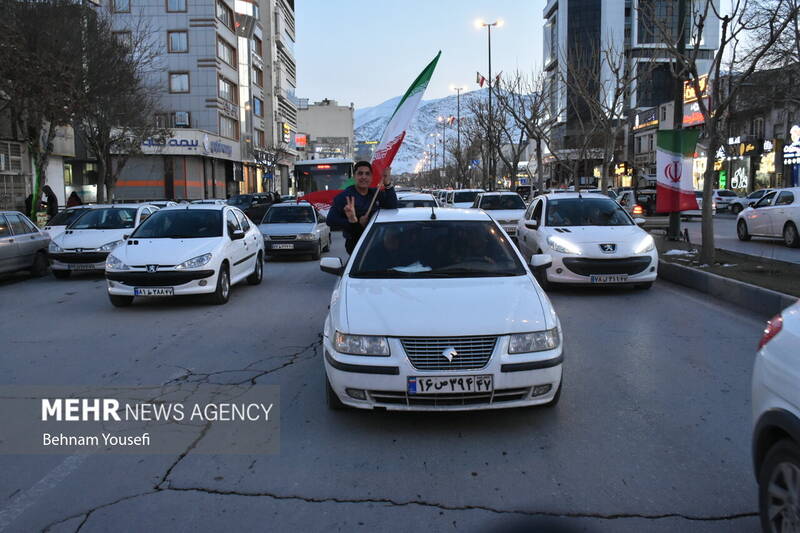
<point x="433" y="214"/>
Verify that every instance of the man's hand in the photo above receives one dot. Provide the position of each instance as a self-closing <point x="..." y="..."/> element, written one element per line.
<point x="387" y="176"/>
<point x="350" y="210"/>
<point x="363" y="220"/>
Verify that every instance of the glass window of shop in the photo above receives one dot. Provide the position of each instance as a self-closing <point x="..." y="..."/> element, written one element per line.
<point x="81" y="177"/>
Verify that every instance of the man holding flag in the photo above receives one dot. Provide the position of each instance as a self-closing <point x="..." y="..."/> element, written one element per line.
<point x="352" y="208"/>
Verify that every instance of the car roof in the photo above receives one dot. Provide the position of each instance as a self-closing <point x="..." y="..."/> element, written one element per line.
<point x="106" y="206"/>
<point x="415" y="213"/>
<point x="415" y="196"/>
<point x="572" y="194"/>
<point x="215" y="207"/>
<point x="302" y="203"/>
<point x="500" y="193"/>
<point x="467" y="190"/>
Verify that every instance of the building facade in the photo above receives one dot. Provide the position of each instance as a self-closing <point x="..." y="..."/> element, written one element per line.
<point x="329" y="129"/>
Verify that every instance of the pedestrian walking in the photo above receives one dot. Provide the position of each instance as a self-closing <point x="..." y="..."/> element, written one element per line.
<point x="52" y="201"/>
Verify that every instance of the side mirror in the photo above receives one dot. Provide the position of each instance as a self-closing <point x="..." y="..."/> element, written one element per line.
<point x="534" y="224"/>
<point x="253" y="203"/>
<point x="639" y="221"/>
<point x="322" y="219"/>
<point x="236" y="235"/>
<point x="541" y="261"/>
<point x="331" y="265"/>
<point x="124" y="237"/>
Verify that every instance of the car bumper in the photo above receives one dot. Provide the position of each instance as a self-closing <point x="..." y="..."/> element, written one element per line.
<point x="298" y="247"/>
<point x="125" y="283"/>
<point x="383" y="380"/>
<point x="563" y="271"/>
<point x="79" y="262"/>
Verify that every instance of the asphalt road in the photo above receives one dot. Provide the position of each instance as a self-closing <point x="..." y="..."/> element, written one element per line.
<point x="725" y="238"/>
<point x="652" y="432"/>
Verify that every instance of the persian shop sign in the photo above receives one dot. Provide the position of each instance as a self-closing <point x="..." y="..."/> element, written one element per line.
<point x="692" y="116"/>
<point x="791" y="152"/>
<point x="645" y="119"/>
<point x="690" y="95"/>
<point x="173" y="144"/>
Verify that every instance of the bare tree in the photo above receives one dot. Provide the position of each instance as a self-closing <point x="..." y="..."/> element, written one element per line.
<point x="750" y="31"/>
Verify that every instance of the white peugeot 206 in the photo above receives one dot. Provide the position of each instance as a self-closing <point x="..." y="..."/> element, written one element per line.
<point x="591" y="240"/>
<point x="437" y="310"/>
<point x="191" y="249"/>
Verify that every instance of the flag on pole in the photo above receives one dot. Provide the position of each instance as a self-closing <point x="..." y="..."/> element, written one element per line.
<point x="392" y="137"/>
<point x="674" y="159"/>
<point x="480" y="80"/>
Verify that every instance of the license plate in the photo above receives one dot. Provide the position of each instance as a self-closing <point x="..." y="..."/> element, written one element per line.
<point x="82" y="266"/>
<point x="510" y="229"/>
<point x="283" y="246"/>
<point x="154" y="291"/>
<point x="449" y="384"/>
<point x="608" y="278"/>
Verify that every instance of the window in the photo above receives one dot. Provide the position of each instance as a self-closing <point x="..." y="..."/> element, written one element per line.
<point x="757" y="127"/>
<point x="258" y="77"/>
<point x="638" y="145"/>
<point x="663" y="113"/>
<point x="226" y="52"/>
<point x="225" y="14"/>
<point x="121" y="6"/>
<point x="227" y="90"/>
<point x="18" y="226"/>
<point x="228" y="128"/>
<point x="179" y="82"/>
<point x="177" y="42"/>
<point x="785" y="198"/>
<point x="537" y="212"/>
<point x="258" y="107"/>
<point x="242" y="220"/>
<point x="232" y="223"/>
<point x="5" y="229"/>
<point x="124" y="37"/>
<point x="176" y="6"/>
<point x="258" y="46"/>
<point x="259" y="138"/>
<point x="10" y="157"/>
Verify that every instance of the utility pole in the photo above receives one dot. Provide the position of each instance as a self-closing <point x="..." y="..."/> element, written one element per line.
<point x="488" y="26"/>
<point x="674" y="230"/>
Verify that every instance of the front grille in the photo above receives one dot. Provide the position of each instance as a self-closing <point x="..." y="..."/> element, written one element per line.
<point x="80" y="257"/>
<point x="425" y="353"/>
<point x="587" y="267"/>
<point x="157" y="279"/>
<point x="446" y="400"/>
<point x="282" y="237"/>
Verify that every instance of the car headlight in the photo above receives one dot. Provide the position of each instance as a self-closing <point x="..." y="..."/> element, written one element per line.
<point x="194" y="262"/>
<point x="360" y="344"/>
<point x="646" y="245"/>
<point x="306" y="237"/>
<point x="535" y="341"/>
<point x="563" y="246"/>
<point x="53" y="248"/>
<point x="107" y="247"/>
<point x="112" y="263"/>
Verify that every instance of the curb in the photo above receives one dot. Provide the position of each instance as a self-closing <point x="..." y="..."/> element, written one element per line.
<point x="764" y="302"/>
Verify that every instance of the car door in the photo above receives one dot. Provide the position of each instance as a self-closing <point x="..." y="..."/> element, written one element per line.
<point x="250" y="241"/>
<point x="531" y="225"/>
<point x="758" y="219"/>
<point x="26" y="237"/>
<point x="323" y="229"/>
<point x="9" y="258"/>
<point x="779" y="212"/>
<point x="237" y="250"/>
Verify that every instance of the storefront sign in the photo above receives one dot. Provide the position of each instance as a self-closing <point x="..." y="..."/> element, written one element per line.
<point x="646" y="119"/>
<point x="191" y="142"/>
<point x="692" y="116"/>
<point x="791" y="152"/>
<point x="689" y="93"/>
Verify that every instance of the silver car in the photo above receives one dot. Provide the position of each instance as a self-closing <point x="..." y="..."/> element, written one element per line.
<point x="22" y="245"/>
<point x="295" y="229"/>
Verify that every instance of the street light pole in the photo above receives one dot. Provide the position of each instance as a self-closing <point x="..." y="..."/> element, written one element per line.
<point x="488" y="26"/>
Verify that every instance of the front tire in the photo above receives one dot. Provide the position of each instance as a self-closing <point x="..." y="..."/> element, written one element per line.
<point x="61" y="274"/>
<point x="741" y="231"/>
<point x="778" y="488"/>
<point x="119" y="300"/>
<point x="317" y="253"/>
<point x="327" y="245"/>
<point x="258" y="272"/>
<point x="790" y="236"/>
<point x="40" y="266"/>
<point x="223" y="292"/>
<point x="736" y="209"/>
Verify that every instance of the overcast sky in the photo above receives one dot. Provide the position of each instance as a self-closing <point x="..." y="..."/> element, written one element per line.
<point x="366" y="52"/>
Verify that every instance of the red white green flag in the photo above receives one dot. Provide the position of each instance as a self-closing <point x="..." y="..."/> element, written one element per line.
<point x="674" y="159"/>
<point x="392" y="137"/>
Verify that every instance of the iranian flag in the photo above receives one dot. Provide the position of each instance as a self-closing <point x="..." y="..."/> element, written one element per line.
<point x="674" y="187"/>
<point x="392" y="137"/>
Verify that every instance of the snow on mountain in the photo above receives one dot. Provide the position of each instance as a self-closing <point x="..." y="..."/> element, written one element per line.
<point x="371" y="121"/>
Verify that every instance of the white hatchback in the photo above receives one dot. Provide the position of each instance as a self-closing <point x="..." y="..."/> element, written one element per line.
<point x="462" y="198"/>
<point x="507" y="208"/>
<point x="776" y="421"/>
<point x="591" y="239"/>
<point x="776" y="215"/>
<point x="191" y="249"/>
<point x="403" y="333"/>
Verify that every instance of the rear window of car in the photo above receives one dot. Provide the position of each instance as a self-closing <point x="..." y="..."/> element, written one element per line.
<point x="726" y="193"/>
<point x="181" y="224"/>
<point x="436" y="249"/>
<point x="504" y="201"/>
<point x="468" y="196"/>
<point x="416" y="203"/>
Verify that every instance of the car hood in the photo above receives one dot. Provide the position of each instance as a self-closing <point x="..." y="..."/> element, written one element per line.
<point x="596" y="234"/>
<point x="164" y="251"/>
<point x="286" y="229"/>
<point x="506" y="214"/>
<point x="444" y="307"/>
<point x="90" y="238"/>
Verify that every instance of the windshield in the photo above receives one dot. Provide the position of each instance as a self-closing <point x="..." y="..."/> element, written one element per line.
<point x="181" y="224"/>
<point x="67" y="217"/>
<point x="289" y="215"/>
<point x="505" y="201"/>
<point x="108" y="218"/>
<point x="436" y="249"/>
<point x="415" y="203"/>
<point x="240" y="199"/>
<point x="726" y="192"/>
<point x="468" y="196"/>
<point x="586" y="212"/>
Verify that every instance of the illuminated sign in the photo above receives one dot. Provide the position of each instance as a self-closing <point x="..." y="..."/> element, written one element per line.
<point x="645" y="119"/>
<point x="301" y="140"/>
<point x="690" y="95"/>
<point x="370" y="142"/>
<point x="692" y="116"/>
<point x="323" y="167"/>
<point x="286" y="129"/>
<point x="791" y="152"/>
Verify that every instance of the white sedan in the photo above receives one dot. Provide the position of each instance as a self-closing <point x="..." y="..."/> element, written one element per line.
<point x="776" y="421"/>
<point x="416" y="199"/>
<point x="87" y="241"/>
<point x="192" y="249"/>
<point x="507" y="208"/>
<point x="591" y="239"/>
<point x="295" y="229"/>
<point x="403" y="333"/>
<point x="776" y="215"/>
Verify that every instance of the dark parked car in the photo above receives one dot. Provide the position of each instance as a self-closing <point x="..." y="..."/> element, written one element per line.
<point x="253" y="205"/>
<point x="22" y="245"/>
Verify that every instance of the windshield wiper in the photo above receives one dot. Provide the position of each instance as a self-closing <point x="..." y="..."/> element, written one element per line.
<point x="471" y="273"/>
